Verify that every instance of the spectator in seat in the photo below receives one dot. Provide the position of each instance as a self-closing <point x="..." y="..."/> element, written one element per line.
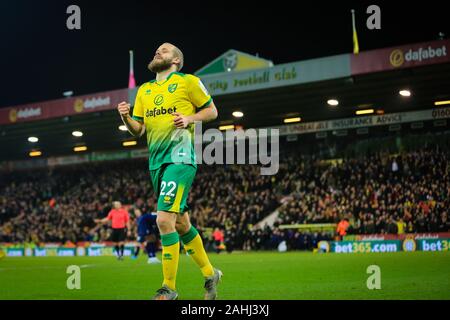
<point x="401" y="226"/>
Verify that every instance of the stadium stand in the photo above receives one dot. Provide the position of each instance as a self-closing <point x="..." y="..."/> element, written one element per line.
<point x="379" y="192"/>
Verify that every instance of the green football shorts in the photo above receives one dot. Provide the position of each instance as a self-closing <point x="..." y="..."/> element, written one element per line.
<point x="171" y="183"/>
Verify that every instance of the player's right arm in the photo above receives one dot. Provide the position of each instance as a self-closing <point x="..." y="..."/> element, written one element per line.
<point x="134" y="122"/>
<point x="135" y="127"/>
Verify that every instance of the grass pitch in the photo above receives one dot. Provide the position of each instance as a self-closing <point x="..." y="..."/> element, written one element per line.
<point x="247" y="276"/>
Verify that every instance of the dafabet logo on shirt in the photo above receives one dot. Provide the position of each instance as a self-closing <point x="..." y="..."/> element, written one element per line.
<point x="159" y="111"/>
<point x="159" y="99"/>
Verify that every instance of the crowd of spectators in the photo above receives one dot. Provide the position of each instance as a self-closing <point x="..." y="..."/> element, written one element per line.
<point x="60" y="204"/>
<point x="376" y="194"/>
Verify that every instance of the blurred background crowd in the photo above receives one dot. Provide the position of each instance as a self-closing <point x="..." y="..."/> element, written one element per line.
<point x="373" y="193"/>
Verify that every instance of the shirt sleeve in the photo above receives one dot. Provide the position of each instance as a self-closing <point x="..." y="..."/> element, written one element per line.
<point x="138" y="109"/>
<point x="109" y="217"/>
<point x="127" y="216"/>
<point x="198" y="94"/>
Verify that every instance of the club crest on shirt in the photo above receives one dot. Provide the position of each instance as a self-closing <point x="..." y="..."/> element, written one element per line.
<point x="173" y="87"/>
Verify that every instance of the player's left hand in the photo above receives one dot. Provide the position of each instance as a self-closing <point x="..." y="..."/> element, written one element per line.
<point x="180" y="121"/>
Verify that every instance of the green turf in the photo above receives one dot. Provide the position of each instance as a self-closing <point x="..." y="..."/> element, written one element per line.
<point x="268" y="276"/>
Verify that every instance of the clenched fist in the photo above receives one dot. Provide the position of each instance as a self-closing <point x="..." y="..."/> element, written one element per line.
<point x="124" y="109"/>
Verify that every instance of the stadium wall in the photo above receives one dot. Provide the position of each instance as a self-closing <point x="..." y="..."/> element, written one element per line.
<point x="410" y="244"/>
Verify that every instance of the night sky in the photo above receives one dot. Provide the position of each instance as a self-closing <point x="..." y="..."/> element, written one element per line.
<point x="41" y="58"/>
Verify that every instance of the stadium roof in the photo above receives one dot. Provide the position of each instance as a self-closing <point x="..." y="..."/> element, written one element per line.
<point x="262" y="107"/>
<point x="233" y="60"/>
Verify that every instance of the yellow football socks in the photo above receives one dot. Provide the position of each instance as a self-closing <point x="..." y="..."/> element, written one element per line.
<point x="194" y="247"/>
<point x="170" y="256"/>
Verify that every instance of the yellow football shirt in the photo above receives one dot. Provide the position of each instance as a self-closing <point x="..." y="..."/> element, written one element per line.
<point x="155" y="102"/>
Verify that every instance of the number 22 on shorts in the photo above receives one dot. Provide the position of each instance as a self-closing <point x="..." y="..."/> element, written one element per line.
<point x="172" y="185"/>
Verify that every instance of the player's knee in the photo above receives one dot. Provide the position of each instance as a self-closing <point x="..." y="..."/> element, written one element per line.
<point x="183" y="227"/>
<point x="165" y="224"/>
